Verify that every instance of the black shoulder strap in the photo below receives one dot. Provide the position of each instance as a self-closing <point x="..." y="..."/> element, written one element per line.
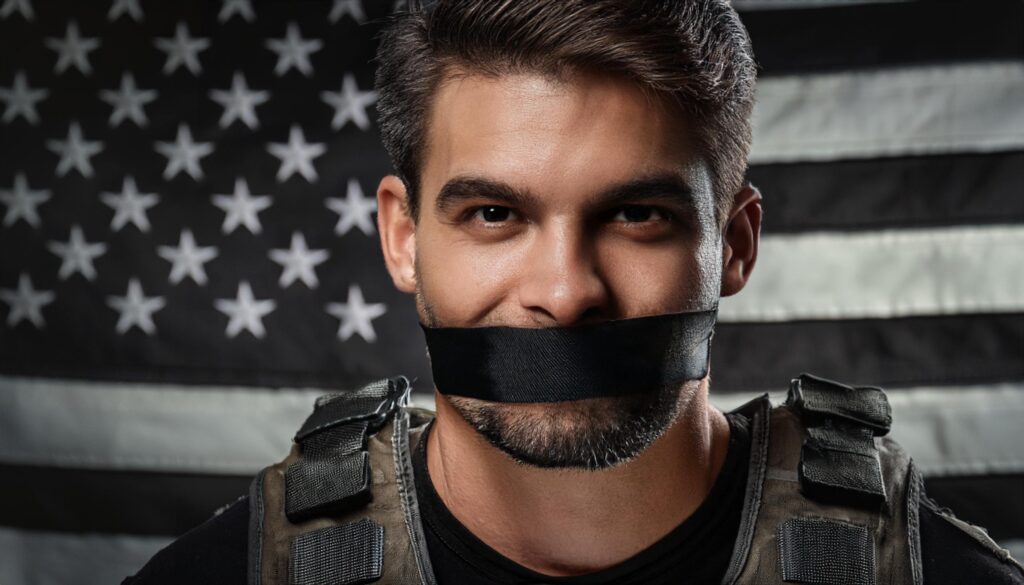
<point x="839" y="460"/>
<point x="313" y="499"/>
<point x="333" y="475"/>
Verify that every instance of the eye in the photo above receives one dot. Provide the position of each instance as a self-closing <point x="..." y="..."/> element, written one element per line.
<point x="493" y="214"/>
<point x="639" y="214"/>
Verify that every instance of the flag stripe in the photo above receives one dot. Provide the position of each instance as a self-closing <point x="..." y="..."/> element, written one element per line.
<point x="43" y="558"/>
<point x="868" y="114"/>
<point x="213" y="433"/>
<point x="141" y="504"/>
<point x="900" y="192"/>
<point x="897" y="273"/>
<point x="112" y="502"/>
<point x="148" y="427"/>
<point x="953" y="350"/>
<point x="812" y="36"/>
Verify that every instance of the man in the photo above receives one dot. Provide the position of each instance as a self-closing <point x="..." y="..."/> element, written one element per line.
<point x="569" y="206"/>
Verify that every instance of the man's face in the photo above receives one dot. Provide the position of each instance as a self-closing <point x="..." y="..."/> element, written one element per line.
<point x="548" y="204"/>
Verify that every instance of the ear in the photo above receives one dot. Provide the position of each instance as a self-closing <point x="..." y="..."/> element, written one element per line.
<point x="741" y="235"/>
<point x="397" y="233"/>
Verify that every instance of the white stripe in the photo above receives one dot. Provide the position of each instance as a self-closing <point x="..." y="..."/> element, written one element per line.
<point x="44" y="558"/>
<point x="152" y="427"/>
<point x="973" y="430"/>
<point x="939" y="109"/>
<point x="129" y="427"/>
<point x="883" y="274"/>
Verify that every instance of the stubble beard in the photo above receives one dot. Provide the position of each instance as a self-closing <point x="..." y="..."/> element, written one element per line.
<point x="591" y="434"/>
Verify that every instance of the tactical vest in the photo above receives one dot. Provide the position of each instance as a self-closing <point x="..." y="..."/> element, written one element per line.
<point x="829" y="499"/>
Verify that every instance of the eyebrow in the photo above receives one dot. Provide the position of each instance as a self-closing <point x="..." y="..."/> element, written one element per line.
<point x="668" y="187"/>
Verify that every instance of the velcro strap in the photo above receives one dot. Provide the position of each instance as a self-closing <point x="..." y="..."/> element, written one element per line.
<point x="323" y="486"/>
<point x="817" y="399"/>
<point x="350" y="554"/>
<point x="337" y="440"/>
<point x="839" y="464"/>
<point x="372" y="403"/>
<point x="827" y="552"/>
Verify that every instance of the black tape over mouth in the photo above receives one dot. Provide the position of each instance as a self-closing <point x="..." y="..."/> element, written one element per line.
<point x="614" y="358"/>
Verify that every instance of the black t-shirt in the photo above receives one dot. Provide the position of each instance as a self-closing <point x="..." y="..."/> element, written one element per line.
<point x="215" y="553"/>
<point x="699" y="548"/>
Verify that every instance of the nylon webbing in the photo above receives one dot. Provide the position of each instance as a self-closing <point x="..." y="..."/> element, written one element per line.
<point x="839" y="460"/>
<point x="328" y="485"/>
<point x="863" y="405"/>
<point x="333" y="474"/>
<point x="350" y="554"/>
<point x="826" y="552"/>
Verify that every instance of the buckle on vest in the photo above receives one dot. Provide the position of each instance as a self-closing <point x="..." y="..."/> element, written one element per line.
<point x="818" y="399"/>
<point x="372" y="403"/>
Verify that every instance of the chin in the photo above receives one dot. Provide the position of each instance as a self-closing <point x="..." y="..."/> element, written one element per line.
<point x="592" y="434"/>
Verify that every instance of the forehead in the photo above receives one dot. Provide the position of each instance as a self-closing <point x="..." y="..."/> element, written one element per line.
<point x="560" y="138"/>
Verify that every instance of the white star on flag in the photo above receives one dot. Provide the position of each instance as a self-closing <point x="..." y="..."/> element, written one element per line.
<point x="296" y="156"/>
<point x="20" y="99"/>
<point x="293" y="51"/>
<point x="183" y="154"/>
<point x="241" y="208"/>
<point x="22" y="202"/>
<point x="356" y="316"/>
<point x="129" y="7"/>
<point x="355" y="210"/>
<point x="353" y="8"/>
<point x="299" y="262"/>
<point x="187" y="259"/>
<point x="73" y="49"/>
<point x="74" y="152"/>
<point x="77" y="255"/>
<point x="24" y="7"/>
<point x="181" y="50"/>
<point x="128" y="102"/>
<point x="26" y="302"/>
<point x="349" y="104"/>
<point x="136" y="309"/>
<point x="239" y="103"/>
<point x="245" y="312"/>
<point x="233" y="7"/>
<point x="130" y="206"/>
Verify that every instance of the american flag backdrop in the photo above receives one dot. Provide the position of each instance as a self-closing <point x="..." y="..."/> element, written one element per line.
<point x="188" y="251"/>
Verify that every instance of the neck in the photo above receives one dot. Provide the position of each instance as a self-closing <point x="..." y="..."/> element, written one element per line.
<point x="525" y="513"/>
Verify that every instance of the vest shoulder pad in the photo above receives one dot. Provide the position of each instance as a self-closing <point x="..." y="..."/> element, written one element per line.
<point x="331" y="511"/>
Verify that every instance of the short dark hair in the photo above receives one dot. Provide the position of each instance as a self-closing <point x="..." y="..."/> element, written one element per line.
<point x="694" y="52"/>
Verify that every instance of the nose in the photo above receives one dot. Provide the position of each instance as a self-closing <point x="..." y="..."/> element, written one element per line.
<point x="562" y="284"/>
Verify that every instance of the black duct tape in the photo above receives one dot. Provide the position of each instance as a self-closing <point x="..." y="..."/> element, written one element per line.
<point x="614" y="358"/>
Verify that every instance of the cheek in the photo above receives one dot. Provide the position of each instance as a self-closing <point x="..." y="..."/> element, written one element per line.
<point x="463" y="281"/>
<point x="649" y="280"/>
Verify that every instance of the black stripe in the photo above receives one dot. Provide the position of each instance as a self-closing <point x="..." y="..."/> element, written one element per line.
<point x="159" y="504"/>
<point x="885" y="35"/>
<point x="994" y="502"/>
<point x="118" y="502"/>
<point x="915" y="351"/>
<point x="923" y="191"/>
